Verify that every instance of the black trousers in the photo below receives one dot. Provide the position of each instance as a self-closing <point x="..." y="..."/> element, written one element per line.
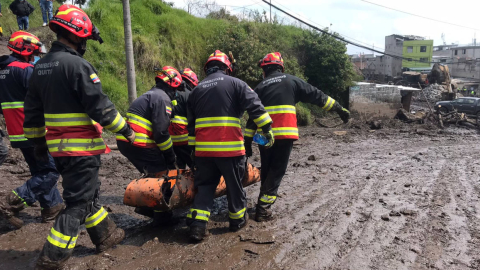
<point x="81" y="187"/>
<point x="207" y="176"/>
<point x="146" y="160"/>
<point x="274" y="165"/>
<point x="184" y="158"/>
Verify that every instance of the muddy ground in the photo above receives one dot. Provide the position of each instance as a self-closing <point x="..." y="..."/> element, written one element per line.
<point x="403" y="197"/>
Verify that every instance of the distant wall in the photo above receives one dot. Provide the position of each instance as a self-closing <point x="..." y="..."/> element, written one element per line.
<point x="371" y="100"/>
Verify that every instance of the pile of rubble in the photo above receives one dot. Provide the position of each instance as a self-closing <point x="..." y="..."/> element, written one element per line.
<point x="433" y="93"/>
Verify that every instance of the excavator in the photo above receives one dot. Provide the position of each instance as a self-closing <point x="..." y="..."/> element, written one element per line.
<point x="440" y="74"/>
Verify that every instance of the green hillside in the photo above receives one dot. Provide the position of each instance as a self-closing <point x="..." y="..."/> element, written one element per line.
<point x="169" y="36"/>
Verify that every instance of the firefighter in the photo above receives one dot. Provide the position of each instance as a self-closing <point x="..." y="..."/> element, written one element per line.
<point x="215" y="107"/>
<point x="149" y="116"/>
<point x="178" y="127"/>
<point x="279" y="92"/>
<point x="65" y="97"/>
<point x="15" y="72"/>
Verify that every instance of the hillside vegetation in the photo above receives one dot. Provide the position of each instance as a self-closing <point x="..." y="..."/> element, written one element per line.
<point x="163" y="35"/>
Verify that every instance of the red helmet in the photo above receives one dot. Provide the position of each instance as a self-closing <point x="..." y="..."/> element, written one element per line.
<point x="170" y="76"/>
<point x="25" y="44"/>
<point x="189" y="75"/>
<point x="221" y="57"/>
<point x="76" y="21"/>
<point x="272" y="59"/>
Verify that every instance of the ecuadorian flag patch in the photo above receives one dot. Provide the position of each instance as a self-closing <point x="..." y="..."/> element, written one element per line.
<point x="169" y="110"/>
<point x="94" y="78"/>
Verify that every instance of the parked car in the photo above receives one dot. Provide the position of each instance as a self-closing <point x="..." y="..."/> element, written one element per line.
<point x="467" y="105"/>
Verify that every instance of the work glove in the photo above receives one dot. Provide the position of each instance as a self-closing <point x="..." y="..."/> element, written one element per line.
<point x="40" y="152"/>
<point x="129" y="135"/>
<point x="344" y="114"/>
<point x="248" y="146"/>
<point x="269" y="136"/>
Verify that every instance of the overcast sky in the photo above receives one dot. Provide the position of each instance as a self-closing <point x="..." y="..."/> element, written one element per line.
<point x="370" y="24"/>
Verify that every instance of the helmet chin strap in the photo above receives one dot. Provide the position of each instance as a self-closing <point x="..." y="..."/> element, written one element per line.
<point x="81" y="46"/>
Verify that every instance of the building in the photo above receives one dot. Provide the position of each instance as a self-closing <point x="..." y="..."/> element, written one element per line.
<point x="466" y="62"/>
<point x="362" y="60"/>
<point x="418" y="52"/>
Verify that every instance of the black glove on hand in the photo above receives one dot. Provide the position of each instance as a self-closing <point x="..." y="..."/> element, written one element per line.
<point x="248" y="146"/>
<point x="129" y="135"/>
<point x="344" y="115"/>
<point x="40" y="152"/>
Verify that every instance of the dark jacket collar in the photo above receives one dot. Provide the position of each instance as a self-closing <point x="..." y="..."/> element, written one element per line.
<point x="58" y="46"/>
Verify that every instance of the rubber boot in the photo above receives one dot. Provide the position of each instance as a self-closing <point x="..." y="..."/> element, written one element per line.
<point x="106" y="235"/>
<point x="235" y="227"/>
<point x="197" y="233"/>
<point x="44" y="263"/>
<point x="15" y="202"/>
<point x="49" y="214"/>
<point x="263" y="212"/>
<point x="7" y="213"/>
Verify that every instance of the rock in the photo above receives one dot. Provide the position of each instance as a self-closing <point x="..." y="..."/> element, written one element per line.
<point x="340" y="133"/>
<point x="394" y="214"/>
<point x="385" y="218"/>
<point x="348" y="213"/>
<point x="378" y="124"/>
<point x="406" y="212"/>
<point x="312" y="158"/>
<point x="407" y="185"/>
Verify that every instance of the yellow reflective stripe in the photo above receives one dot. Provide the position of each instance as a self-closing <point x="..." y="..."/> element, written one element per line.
<point x="268" y="199"/>
<point x="117" y="124"/>
<point x="263" y="120"/>
<point x="249" y="132"/>
<point x="285" y="131"/>
<point x="68" y="119"/>
<point x="238" y="215"/>
<point x="329" y="104"/>
<point x="70" y="10"/>
<point x="98" y="217"/>
<point x="219" y="146"/>
<point x="17" y="138"/>
<point x="179" y="138"/>
<point x="140" y="121"/>
<point x="198" y="214"/>
<point x="180" y="120"/>
<point x="35" y="132"/>
<point x="217" y="122"/>
<point x="166" y="144"/>
<point x="281" y="109"/>
<point x="60" y="240"/>
<point x="191" y="140"/>
<point x="139" y="137"/>
<point x="12" y="105"/>
<point x="68" y="145"/>
<point x="174" y="103"/>
<point x="34" y="40"/>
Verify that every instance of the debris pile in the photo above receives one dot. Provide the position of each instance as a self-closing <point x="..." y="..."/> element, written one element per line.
<point x="433" y="92"/>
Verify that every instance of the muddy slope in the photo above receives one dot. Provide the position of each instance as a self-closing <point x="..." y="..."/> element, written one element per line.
<point x="389" y="199"/>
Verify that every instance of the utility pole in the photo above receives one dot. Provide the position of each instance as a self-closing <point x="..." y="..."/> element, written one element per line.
<point x="270" y="11"/>
<point x="127" y="25"/>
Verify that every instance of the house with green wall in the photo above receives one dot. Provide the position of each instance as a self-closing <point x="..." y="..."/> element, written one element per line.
<point x="418" y="53"/>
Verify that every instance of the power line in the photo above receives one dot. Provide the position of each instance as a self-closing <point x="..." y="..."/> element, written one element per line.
<point x="420" y="16"/>
<point x="350" y="42"/>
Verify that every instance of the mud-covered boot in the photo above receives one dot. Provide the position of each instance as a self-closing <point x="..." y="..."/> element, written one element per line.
<point x="15" y="202"/>
<point x="263" y="213"/>
<point x="197" y="233"/>
<point x="115" y="238"/>
<point x="7" y="213"/>
<point x="44" y="263"/>
<point x="235" y="227"/>
<point x="49" y="214"/>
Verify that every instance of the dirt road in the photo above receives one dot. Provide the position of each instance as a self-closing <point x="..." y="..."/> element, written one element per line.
<point x="389" y="199"/>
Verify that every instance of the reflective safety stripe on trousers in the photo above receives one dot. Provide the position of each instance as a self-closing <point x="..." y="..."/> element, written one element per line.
<point x="238" y="215"/>
<point x="96" y="218"/>
<point x="198" y="214"/>
<point x="61" y="240"/>
<point x="268" y="199"/>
